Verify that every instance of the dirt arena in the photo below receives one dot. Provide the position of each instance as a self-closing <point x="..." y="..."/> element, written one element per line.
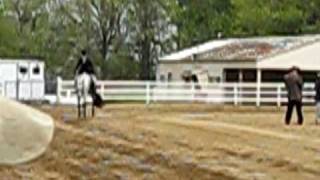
<point x="184" y="142"/>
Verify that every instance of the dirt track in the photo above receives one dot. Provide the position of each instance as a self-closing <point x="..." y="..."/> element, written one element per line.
<point x="176" y="142"/>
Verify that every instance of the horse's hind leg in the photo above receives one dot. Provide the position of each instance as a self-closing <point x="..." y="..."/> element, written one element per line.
<point x="93" y="110"/>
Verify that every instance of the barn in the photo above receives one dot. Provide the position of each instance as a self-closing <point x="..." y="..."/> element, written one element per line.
<point x="262" y="59"/>
<point x="22" y="79"/>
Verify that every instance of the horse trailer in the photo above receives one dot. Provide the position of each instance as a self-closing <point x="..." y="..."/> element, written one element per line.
<point x="22" y="79"/>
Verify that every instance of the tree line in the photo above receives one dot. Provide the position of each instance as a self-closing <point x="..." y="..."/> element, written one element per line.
<point x="125" y="38"/>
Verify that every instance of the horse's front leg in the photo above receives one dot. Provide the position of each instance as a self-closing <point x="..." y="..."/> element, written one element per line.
<point x="85" y="110"/>
<point x="79" y="107"/>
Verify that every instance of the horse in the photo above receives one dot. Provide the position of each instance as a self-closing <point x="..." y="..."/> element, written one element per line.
<point x="83" y="86"/>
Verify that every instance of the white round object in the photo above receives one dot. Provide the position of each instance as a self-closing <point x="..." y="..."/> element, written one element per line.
<point x="25" y="133"/>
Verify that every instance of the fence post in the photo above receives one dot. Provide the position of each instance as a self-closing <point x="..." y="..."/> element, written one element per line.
<point x="258" y="98"/>
<point x="2" y="88"/>
<point x="59" y="84"/>
<point x="102" y="84"/>
<point x="258" y="95"/>
<point x="147" y="93"/>
<point x="235" y="94"/>
<point x="5" y="89"/>
<point x="193" y="91"/>
<point x="279" y="96"/>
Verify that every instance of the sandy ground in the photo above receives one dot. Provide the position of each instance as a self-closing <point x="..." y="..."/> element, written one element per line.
<point x="184" y="142"/>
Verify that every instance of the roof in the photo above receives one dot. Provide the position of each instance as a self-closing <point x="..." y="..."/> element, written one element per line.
<point x="243" y="48"/>
<point x="306" y="58"/>
<point x="24" y="57"/>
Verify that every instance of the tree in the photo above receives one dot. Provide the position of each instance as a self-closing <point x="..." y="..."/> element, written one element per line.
<point x="123" y="66"/>
<point x="95" y="25"/>
<point x="199" y="21"/>
<point x="1" y="8"/>
<point x="149" y="33"/>
<point x="267" y="17"/>
<point x="26" y="15"/>
<point x="136" y="32"/>
<point x="312" y="15"/>
<point x="8" y="38"/>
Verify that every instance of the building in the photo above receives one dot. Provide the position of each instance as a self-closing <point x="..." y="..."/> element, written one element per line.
<point x="22" y="79"/>
<point x="264" y="59"/>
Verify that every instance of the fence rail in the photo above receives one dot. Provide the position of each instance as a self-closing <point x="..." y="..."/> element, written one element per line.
<point x="220" y="93"/>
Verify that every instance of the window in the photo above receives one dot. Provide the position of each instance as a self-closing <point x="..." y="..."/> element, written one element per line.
<point x="232" y="75"/>
<point x="36" y="70"/>
<point x="194" y="78"/>
<point x="249" y="75"/>
<point x="23" y="70"/>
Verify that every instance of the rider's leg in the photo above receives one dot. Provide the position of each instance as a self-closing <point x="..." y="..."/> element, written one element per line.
<point x="94" y="79"/>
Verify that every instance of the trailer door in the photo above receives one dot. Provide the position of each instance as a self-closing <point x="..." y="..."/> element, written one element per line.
<point x="8" y="76"/>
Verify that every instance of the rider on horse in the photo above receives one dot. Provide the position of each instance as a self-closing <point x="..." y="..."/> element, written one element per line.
<point x="85" y="66"/>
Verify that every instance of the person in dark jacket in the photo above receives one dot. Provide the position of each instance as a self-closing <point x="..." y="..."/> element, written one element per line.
<point x="294" y="85"/>
<point x="317" y="97"/>
<point x="84" y="65"/>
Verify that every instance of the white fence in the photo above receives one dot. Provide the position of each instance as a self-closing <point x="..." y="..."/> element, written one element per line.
<point x="222" y="93"/>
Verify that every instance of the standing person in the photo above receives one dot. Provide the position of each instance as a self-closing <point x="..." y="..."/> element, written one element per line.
<point x="294" y="85"/>
<point x="317" y="97"/>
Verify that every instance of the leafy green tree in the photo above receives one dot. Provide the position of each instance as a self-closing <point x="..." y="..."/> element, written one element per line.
<point x="26" y="15"/>
<point x="267" y="17"/>
<point x="312" y="16"/>
<point x="126" y="37"/>
<point x="8" y="38"/>
<point x="149" y="33"/>
<point x="199" y="21"/>
<point x="122" y="66"/>
<point x="1" y="8"/>
<point x="95" y="25"/>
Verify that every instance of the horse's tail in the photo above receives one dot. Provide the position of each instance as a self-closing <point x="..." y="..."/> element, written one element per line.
<point x="92" y="87"/>
<point x="97" y="99"/>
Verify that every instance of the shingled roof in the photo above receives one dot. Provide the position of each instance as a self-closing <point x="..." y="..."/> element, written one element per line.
<point x="243" y="49"/>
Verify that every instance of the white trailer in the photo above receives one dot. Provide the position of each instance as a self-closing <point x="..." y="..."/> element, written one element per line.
<point x="22" y="79"/>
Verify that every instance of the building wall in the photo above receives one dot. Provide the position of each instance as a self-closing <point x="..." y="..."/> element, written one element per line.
<point x="215" y="69"/>
<point x="22" y="79"/>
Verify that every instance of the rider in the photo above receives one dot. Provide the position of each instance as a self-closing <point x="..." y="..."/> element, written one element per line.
<point x="85" y="66"/>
